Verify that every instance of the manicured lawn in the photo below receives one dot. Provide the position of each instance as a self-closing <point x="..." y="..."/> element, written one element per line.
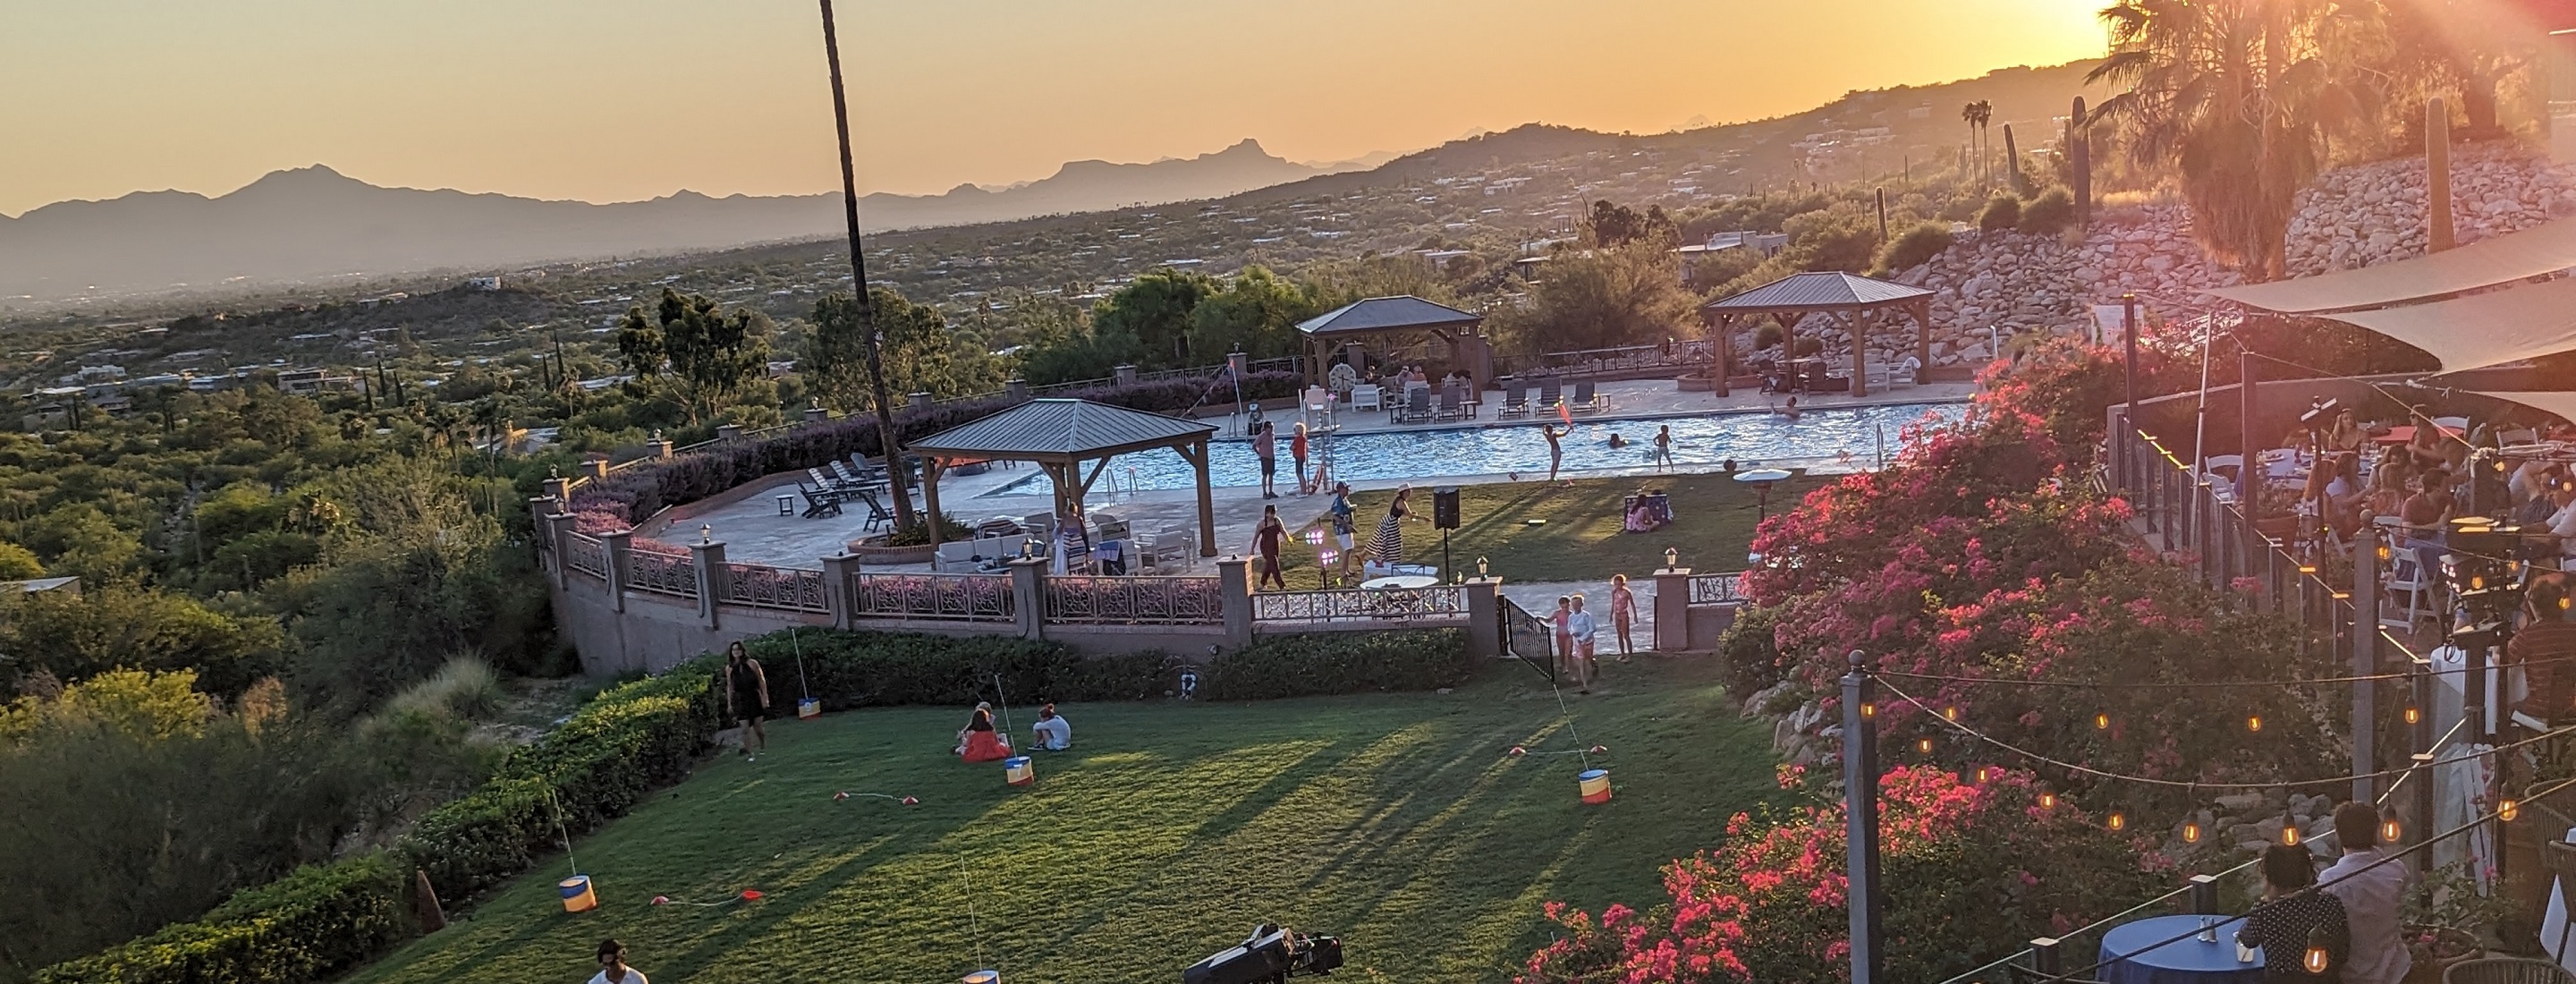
<point x="1583" y="538"/>
<point x="1397" y="821"/>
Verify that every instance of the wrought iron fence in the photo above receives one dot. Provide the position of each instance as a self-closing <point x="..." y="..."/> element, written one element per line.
<point x="1717" y="589"/>
<point x="1610" y="361"/>
<point x="762" y="586"/>
<point x="666" y="574"/>
<point x="1360" y="604"/>
<point x="946" y="597"/>
<point x="1134" y="601"/>
<point x="585" y="554"/>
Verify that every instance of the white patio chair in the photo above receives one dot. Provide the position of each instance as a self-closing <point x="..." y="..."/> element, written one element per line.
<point x="1367" y="397"/>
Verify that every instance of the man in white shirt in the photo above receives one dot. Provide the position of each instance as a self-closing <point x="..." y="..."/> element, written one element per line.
<point x="612" y="965"/>
<point x="1053" y="732"/>
<point x="2371" y="896"/>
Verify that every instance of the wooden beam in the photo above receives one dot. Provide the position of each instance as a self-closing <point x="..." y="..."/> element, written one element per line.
<point x="1859" y="324"/>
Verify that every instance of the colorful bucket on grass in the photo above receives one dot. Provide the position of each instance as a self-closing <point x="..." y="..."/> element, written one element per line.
<point x="1018" y="772"/>
<point x="982" y="977"/>
<point x="577" y="896"/>
<point x="809" y="708"/>
<point x="1594" y="784"/>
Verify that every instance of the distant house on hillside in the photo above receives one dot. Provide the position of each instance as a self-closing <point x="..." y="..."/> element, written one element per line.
<point x="306" y="382"/>
<point x="63" y="585"/>
<point x="1768" y="244"/>
<point x="483" y="283"/>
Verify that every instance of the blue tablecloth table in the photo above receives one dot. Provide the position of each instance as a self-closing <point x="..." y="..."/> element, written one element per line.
<point x="2188" y="961"/>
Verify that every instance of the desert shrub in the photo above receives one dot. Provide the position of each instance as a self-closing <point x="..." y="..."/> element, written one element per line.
<point x="1810" y="346"/>
<point x="1748" y="652"/>
<point x="1915" y="247"/>
<point x="464" y="687"/>
<point x="310" y="925"/>
<point x="1767" y="336"/>
<point x="2049" y="214"/>
<point x="1341" y="663"/>
<point x="2002" y="212"/>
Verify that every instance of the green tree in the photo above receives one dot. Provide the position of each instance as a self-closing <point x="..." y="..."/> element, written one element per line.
<point x="1156" y="311"/>
<point x="72" y="638"/>
<point x="2237" y="98"/>
<point x="921" y="354"/>
<point x="1257" y="314"/>
<point x="18" y="563"/>
<point x="1618" y="225"/>
<point x="709" y="353"/>
<point x="1601" y="298"/>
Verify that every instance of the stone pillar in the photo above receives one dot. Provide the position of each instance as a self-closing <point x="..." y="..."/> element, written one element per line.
<point x="1234" y="589"/>
<point x="1028" y="595"/>
<point x="659" y="448"/>
<point x="1672" y="610"/>
<point x="1017" y="390"/>
<point x="816" y="415"/>
<point x="559" y="489"/>
<point x="709" y="558"/>
<point x="539" y="508"/>
<point x="1484" y="617"/>
<point x="619" y="544"/>
<point x="1126" y="375"/>
<point x="920" y="402"/>
<point x="728" y="433"/>
<point x="557" y="526"/>
<point x="595" y="468"/>
<point x="840" y="571"/>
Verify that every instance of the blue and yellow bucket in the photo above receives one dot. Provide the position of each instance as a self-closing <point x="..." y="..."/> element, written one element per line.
<point x="809" y="708"/>
<point x="1018" y="771"/>
<point x="1594" y="784"/>
<point x="577" y="894"/>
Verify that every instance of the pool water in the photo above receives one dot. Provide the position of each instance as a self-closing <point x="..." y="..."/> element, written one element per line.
<point x="1700" y="444"/>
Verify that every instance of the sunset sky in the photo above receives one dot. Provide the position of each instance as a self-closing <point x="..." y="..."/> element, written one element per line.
<point x="610" y="100"/>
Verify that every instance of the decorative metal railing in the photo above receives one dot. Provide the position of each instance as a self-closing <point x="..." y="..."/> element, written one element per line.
<point x="1360" y="604"/>
<point x="1717" y="589"/>
<point x="1134" y="601"/>
<point x="1594" y="362"/>
<point x="668" y="574"/>
<point x="585" y="554"/>
<point x="947" y="597"/>
<point x="761" y="586"/>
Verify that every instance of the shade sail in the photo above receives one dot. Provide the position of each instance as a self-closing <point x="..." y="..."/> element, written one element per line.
<point x="2483" y="329"/>
<point x="2560" y="402"/>
<point x="2504" y="259"/>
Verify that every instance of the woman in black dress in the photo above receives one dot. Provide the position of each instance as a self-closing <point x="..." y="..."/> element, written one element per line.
<point x="2296" y="918"/>
<point x="746" y="691"/>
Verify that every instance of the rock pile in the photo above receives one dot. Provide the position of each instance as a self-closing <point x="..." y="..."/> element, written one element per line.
<point x="2373" y="213"/>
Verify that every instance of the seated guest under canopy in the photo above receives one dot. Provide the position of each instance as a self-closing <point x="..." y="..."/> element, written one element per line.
<point x="977" y="741"/>
<point x="1052" y="733"/>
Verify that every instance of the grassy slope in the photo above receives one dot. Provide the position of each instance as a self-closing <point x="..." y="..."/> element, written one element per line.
<point x="1582" y="539"/>
<point x="1395" y="820"/>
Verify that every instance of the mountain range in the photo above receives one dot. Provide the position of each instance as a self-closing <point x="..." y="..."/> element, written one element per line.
<point x="314" y="222"/>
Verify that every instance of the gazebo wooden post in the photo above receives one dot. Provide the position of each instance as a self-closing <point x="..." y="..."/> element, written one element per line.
<point x="1789" y="342"/>
<point x="1725" y="332"/>
<point x="1922" y="311"/>
<point x="931" y="466"/>
<point x="1197" y="453"/>
<point x="1859" y="321"/>
<point x="1059" y="476"/>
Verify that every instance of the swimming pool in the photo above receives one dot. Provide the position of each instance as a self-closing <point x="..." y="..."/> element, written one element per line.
<point x="1699" y="444"/>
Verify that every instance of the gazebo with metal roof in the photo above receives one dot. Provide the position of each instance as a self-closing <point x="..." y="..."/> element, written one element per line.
<point x="1060" y="435"/>
<point x="1377" y="317"/>
<point x="1855" y="302"/>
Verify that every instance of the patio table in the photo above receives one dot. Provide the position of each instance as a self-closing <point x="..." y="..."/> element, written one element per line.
<point x="2128" y="959"/>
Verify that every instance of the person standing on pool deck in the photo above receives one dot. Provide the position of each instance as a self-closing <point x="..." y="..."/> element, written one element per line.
<point x="1266" y="540"/>
<point x="746" y="696"/>
<point x="1623" y="612"/>
<point x="1555" y="447"/>
<point x="1297" y="452"/>
<point x="1265" y="446"/>
<point x="1664" y="448"/>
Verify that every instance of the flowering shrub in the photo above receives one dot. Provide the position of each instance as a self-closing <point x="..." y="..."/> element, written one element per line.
<point x="2067" y="384"/>
<point x="1769" y="903"/>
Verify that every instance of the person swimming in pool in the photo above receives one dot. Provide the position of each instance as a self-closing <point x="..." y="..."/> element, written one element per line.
<point x="1617" y="441"/>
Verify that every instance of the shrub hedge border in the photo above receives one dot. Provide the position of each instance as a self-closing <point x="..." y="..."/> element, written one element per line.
<point x="323" y="920"/>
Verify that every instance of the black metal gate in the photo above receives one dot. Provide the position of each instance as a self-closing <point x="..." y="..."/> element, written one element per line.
<point x="1528" y="638"/>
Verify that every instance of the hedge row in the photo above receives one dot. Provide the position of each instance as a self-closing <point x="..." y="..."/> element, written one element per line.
<point x="633" y="738"/>
<point x="638" y="492"/>
<point x="312" y="924"/>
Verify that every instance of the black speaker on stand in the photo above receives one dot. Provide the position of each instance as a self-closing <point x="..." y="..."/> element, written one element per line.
<point x="1444" y="514"/>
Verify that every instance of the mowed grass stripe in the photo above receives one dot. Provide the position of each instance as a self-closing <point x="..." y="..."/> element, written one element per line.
<point x="1397" y="821"/>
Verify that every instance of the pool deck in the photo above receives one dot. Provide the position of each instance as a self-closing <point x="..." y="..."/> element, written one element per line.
<point x="754" y="531"/>
<point x="1639" y="399"/>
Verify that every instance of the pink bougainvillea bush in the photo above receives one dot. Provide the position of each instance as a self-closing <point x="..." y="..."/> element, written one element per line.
<point x="1965" y="868"/>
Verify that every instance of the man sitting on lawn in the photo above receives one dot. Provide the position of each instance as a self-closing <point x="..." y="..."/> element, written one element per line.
<point x="1053" y="732"/>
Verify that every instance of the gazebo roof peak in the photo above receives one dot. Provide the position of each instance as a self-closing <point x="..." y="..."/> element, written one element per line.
<point x="1061" y="429"/>
<point x="1387" y="314"/>
<point x="1819" y="290"/>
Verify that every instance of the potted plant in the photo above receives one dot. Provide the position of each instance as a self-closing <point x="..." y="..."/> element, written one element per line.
<point x="2442" y="918"/>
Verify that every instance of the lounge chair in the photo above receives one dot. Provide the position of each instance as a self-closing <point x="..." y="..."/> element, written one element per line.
<point x="1417" y="406"/>
<point x="819" y="501"/>
<point x="1366" y="397"/>
<point x="1515" y="401"/>
<point x="1453" y="405"/>
<point x="1551" y="391"/>
<point x="877" y="512"/>
<point x="1587" y="398"/>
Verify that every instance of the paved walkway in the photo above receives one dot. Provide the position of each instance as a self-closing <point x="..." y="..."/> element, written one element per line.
<point x="755" y="530"/>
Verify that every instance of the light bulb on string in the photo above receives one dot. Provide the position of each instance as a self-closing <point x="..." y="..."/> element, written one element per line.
<point x="2254" y="722"/>
<point x="2101" y="722"/>
<point x="2118" y="821"/>
<point x="1984" y="775"/>
<point x="1950" y="713"/>
<point x="1924" y="746"/>
<point x="2191" y="831"/>
<point x="2390" y="831"/>
<point x="2048" y="801"/>
<point x="1868" y="709"/>
<point x="2414" y="714"/>
<point x="2508" y="810"/>
<point x="2289" y="832"/>
<point x="2316" y="959"/>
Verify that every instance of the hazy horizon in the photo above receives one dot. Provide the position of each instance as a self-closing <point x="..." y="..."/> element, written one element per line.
<point x="602" y="101"/>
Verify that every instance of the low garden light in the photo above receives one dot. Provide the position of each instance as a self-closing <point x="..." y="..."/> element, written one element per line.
<point x="1482" y="569"/>
<point x="1672" y="558"/>
<point x="706" y="534"/>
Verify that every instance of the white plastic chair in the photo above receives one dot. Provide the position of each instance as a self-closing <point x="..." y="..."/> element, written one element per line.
<point x="2454" y="423"/>
<point x="2406" y="578"/>
<point x="1366" y="397"/>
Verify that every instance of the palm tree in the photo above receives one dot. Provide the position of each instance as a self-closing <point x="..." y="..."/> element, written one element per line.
<point x="1969" y="113"/>
<point x="2237" y="98"/>
<point x="1978" y="114"/>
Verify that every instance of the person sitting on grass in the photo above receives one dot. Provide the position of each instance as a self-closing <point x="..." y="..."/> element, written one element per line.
<point x="977" y="741"/>
<point x="1051" y="732"/>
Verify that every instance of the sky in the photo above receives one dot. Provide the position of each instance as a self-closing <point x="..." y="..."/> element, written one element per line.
<point x="618" y="100"/>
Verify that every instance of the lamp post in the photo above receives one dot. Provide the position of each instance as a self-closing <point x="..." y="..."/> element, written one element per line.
<point x="902" y="484"/>
<point x="1860" y="793"/>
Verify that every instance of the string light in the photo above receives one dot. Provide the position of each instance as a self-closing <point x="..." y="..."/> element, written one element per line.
<point x="2414" y="714"/>
<point x="1984" y="775"/>
<point x="1868" y="709"/>
<point x="2254" y="723"/>
<point x="2289" y="832"/>
<point x="1924" y="746"/>
<point x="2316" y="959"/>
<point x="2390" y="832"/>
<point x="1950" y="713"/>
<point x="2508" y="810"/>
<point x="2118" y="821"/>
<point x="2048" y="801"/>
<point x="2191" y="831"/>
<point x="2101" y="722"/>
